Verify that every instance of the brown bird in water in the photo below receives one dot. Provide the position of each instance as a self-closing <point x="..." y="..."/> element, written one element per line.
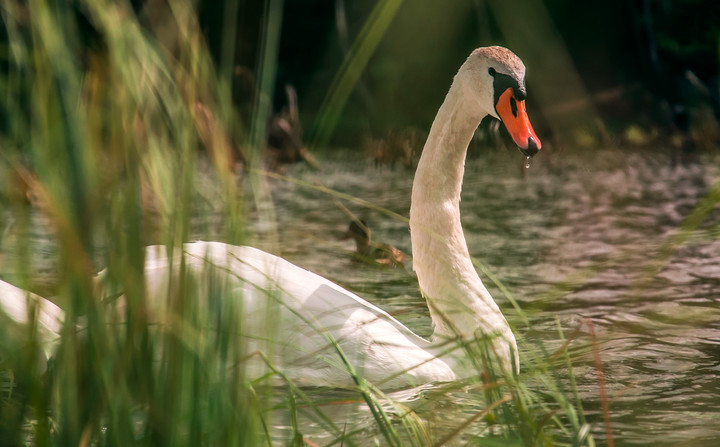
<point x="369" y="251"/>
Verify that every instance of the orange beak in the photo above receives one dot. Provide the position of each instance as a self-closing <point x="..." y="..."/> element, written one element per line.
<point x="512" y="112"/>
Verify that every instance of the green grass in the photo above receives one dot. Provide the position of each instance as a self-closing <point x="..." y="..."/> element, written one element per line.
<point x="106" y="138"/>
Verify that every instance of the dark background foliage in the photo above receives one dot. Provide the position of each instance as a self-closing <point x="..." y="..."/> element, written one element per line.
<point x="638" y="53"/>
<point x="646" y="63"/>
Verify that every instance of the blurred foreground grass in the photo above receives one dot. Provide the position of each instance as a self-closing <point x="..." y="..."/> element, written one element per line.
<point x="106" y="138"/>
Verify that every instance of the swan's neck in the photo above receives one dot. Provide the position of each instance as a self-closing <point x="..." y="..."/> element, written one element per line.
<point x="458" y="301"/>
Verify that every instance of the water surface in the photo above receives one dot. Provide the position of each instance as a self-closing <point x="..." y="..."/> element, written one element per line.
<point x="618" y="238"/>
<point x="605" y="237"/>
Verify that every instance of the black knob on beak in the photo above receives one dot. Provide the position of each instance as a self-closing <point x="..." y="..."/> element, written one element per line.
<point x="532" y="148"/>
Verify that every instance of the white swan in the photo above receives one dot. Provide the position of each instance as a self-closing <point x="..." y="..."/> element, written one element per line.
<point x="18" y="309"/>
<point x="314" y="331"/>
<point x="300" y="321"/>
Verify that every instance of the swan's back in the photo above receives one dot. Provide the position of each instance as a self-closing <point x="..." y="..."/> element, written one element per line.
<point x="15" y="318"/>
<point x="300" y="319"/>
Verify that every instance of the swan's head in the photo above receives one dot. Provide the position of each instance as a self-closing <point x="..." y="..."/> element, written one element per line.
<point x="497" y="79"/>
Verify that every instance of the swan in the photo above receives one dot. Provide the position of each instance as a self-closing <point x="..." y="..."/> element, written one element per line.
<point x="315" y="332"/>
<point x="18" y="310"/>
<point x="318" y="333"/>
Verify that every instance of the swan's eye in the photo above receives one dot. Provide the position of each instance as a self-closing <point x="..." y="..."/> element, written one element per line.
<point x="513" y="107"/>
<point x="491" y="71"/>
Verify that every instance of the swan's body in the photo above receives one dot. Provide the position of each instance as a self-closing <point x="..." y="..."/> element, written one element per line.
<point x="301" y="313"/>
<point x="18" y="308"/>
<point x="315" y="331"/>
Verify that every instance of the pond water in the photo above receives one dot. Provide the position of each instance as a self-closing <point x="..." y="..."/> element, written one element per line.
<point x="617" y="237"/>
<point x="620" y="238"/>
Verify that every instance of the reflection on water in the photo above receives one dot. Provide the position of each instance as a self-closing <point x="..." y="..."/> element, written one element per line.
<point x="574" y="239"/>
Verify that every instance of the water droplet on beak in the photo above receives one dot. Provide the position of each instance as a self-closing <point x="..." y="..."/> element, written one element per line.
<point x="527" y="162"/>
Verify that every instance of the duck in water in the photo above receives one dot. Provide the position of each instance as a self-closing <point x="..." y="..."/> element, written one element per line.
<point x="369" y="251"/>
